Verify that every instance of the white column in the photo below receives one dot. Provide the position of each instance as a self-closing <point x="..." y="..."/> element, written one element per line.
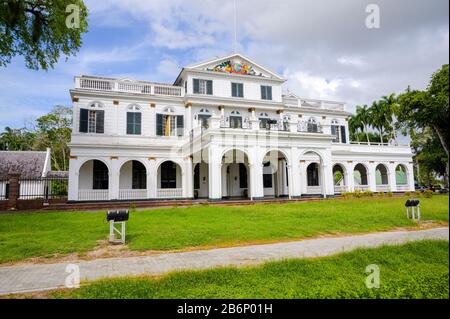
<point x="371" y="177"/>
<point x="392" y="177"/>
<point x="350" y="179"/>
<point x="73" y="180"/>
<point x="215" y="173"/>
<point x="294" y="177"/>
<point x="256" y="181"/>
<point x="188" y="187"/>
<point x="152" y="175"/>
<point x="114" y="176"/>
<point x="411" y="180"/>
<point x="188" y="122"/>
<point x="303" y="178"/>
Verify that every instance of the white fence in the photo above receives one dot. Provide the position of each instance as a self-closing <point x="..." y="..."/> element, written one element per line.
<point x="93" y="194"/>
<point x="132" y="194"/>
<point x="170" y="193"/>
<point x="383" y="188"/>
<point x="314" y="190"/>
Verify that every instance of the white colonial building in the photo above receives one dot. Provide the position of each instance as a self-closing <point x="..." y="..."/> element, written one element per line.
<point x="223" y="130"/>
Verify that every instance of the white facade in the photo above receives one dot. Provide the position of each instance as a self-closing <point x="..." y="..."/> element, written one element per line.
<point x="135" y="140"/>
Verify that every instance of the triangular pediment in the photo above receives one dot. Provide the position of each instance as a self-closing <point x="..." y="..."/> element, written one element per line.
<point x="235" y="64"/>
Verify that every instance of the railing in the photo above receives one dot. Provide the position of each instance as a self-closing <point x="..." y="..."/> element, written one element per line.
<point x="93" y="194"/>
<point x="126" y="86"/>
<point x="314" y="190"/>
<point x="4" y="188"/>
<point x="170" y="193"/>
<point x="226" y="123"/>
<point x="43" y="188"/>
<point x="383" y="188"/>
<point x="362" y="188"/>
<point x="132" y="194"/>
<point x="403" y="188"/>
<point x="379" y="144"/>
<point x="322" y="104"/>
<point x="307" y="127"/>
<point x="280" y="126"/>
<point x="338" y="189"/>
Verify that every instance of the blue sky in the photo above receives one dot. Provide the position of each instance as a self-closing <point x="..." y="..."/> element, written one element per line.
<point x="322" y="47"/>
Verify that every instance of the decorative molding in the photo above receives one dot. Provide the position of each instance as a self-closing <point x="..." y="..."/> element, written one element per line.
<point x="391" y="162"/>
<point x="221" y="107"/>
<point x="371" y="162"/>
<point x="153" y="105"/>
<point x="152" y="158"/>
<point x="73" y="157"/>
<point x="350" y="162"/>
<point x="252" y="109"/>
<point x="75" y="99"/>
<point x="114" y="157"/>
<point x="302" y="161"/>
<point x="188" y="104"/>
<point x="324" y="117"/>
<point x="280" y="111"/>
<point x="115" y="102"/>
<point x="300" y="115"/>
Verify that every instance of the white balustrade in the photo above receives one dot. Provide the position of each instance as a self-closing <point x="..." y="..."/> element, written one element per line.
<point x="132" y="194"/>
<point x="314" y="190"/>
<point x="93" y="194"/>
<point x="403" y="188"/>
<point x="170" y="193"/>
<point x="383" y="188"/>
<point x="362" y="188"/>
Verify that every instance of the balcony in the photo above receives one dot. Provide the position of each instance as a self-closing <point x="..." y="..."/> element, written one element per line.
<point x="127" y="86"/>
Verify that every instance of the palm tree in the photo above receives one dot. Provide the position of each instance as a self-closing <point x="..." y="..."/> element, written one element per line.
<point x="363" y="117"/>
<point x="391" y="105"/>
<point x="381" y="117"/>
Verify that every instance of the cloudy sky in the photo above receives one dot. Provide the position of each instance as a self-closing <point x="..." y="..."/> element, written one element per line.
<point x="322" y="47"/>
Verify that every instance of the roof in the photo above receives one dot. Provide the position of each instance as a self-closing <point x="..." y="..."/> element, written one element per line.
<point x="27" y="164"/>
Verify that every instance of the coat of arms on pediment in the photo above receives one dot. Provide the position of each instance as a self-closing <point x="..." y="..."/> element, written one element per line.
<point x="234" y="67"/>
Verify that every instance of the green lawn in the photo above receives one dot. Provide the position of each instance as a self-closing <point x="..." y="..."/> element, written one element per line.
<point x="45" y="234"/>
<point x="415" y="270"/>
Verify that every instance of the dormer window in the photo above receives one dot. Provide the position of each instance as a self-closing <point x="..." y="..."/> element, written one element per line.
<point x="92" y="119"/>
<point x="203" y="87"/>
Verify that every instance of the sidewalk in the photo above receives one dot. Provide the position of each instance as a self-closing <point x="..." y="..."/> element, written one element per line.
<point x="31" y="278"/>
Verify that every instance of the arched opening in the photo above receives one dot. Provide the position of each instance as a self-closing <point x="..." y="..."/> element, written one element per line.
<point x="201" y="180"/>
<point x="312" y="180"/>
<point x="339" y="178"/>
<point x="169" y="180"/>
<point x="401" y="178"/>
<point x="360" y="177"/>
<point x="275" y="175"/>
<point x="93" y="181"/>
<point x="133" y="181"/>
<point x="235" y="175"/>
<point x="382" y="178"/>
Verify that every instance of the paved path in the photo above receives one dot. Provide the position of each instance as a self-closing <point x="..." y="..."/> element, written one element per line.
<point x="31" y="278"/>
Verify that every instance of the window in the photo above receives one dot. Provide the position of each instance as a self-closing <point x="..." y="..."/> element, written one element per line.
<point x="197" y="176"/>
<point x="134" y="123"/>
<point x="237" y="90"/>
<point x="92" y="121"/>
<point x="100" y="175"/>
<point x="139" y="175"/>
<point x="335" y="131"/>
<point x="169" y="125"/>
<point x="203" y="87"/>
<point x="267" y="180"/>
<point x="243" y="183"/>
<point x="312" y="125"/>
<point x="168" y="175"/>
<point x="264" y="121"/>
<point x="203" y="118"/>
<point x="235" y="120"/>
<point x="313" y="174"/>
<point x="266" y="92"/>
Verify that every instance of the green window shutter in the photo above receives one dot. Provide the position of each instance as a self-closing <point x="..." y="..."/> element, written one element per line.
<point x="241" y="90"/>
<point x="159" y="124"/>
<point x="100" y="121"/>
<point x="209" y="87"/>
<point x="263" y="92"/>
<point x="130" y="122"/>
<point x="233" y="89"/>
<point x="84" y="114"/>
<point x="180" y="125"/>
<point x="343" y="135"/>
<point x="138" y="123"/>
<point x="269" y="93"/>
<point x="196" y="86"/>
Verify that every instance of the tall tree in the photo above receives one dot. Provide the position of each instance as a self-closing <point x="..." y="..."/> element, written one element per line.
<point x="419" y="110"/>
<point x="381" y="117"/>
<point x="40" y="30"/>
<point x="362" y="120"/>
<point x="391" y="106"/>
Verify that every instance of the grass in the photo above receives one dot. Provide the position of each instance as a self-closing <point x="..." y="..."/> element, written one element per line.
<point x="415" y="270"/>
<point x="29" y="235"/>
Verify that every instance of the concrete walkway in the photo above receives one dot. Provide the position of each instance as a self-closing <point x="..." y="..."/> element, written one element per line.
<point x="31" y="278"/>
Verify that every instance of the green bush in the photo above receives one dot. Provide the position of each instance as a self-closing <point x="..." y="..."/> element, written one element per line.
<point x="428" y="193"/>
<point x="417" y="194"/>
<point x="381" y="194"/>
<point x="408" y="194"/>
<point x="368" y="193"/>
<point x="358" y="194"/>
<point x="390" y="194"/>
<point x="347" y="195"/>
